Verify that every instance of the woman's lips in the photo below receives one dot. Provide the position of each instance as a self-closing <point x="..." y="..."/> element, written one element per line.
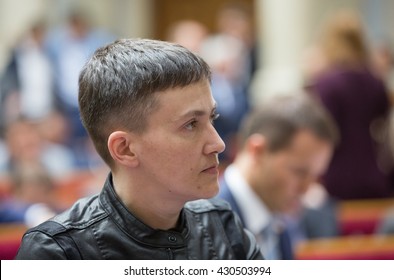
<point x="212" y="170"/>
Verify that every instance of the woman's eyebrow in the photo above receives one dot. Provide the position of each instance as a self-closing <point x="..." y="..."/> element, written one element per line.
<point x="197" y="112"/>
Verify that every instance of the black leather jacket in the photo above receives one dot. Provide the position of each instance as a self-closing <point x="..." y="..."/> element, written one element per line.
<point x="100" y="227"/>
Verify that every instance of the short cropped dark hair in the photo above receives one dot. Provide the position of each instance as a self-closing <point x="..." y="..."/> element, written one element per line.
<point x="281" y="117"/>
<point x="117" y="85"/>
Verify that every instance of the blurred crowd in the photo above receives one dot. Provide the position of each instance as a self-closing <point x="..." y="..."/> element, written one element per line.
<point x="43" y="141"/>
<point x="41" y="132"/>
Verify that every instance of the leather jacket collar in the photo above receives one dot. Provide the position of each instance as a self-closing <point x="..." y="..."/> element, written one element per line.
<point x="135" y="228"/>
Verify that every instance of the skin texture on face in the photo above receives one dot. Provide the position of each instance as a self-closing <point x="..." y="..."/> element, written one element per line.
<point x="284" y="176"/>
<point x="178" y="152"/>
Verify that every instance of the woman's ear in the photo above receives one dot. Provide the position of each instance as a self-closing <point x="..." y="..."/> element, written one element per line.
<point x="121" y="148"/>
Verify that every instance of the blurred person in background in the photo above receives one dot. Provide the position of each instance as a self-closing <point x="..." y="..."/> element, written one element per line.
<point x="69" y="48"/>
<point x="32" y="197"/>
<point x="188" y="33"/>
<point x="359" y="102"/>
<point x="27" y="86"/>
<point x="285" y="146"/>
<point x="235" y="19"/>
<point x="54" y="128"/>
<point x="25" y="146"/>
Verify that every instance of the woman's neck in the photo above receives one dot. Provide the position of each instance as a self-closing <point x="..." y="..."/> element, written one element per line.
<point x="149" y="205"/>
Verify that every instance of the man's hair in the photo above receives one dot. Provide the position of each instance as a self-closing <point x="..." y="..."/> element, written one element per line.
<point x="117" y="86"/>
<point x="281" y="117"/>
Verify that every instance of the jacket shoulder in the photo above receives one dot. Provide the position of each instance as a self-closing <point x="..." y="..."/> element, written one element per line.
<point x="207" y="205"/>
<point x="81" y="214"/>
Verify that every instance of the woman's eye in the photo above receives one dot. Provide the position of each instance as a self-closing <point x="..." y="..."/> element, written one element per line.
<point x="191" y="125"/>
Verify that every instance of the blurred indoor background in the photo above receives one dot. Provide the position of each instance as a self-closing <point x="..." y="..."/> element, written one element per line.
<point x="256" y="48"/>
<point x="283" y="28"/>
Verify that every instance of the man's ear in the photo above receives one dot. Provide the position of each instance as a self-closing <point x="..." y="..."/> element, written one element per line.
<point x="121" y="148"/>
<point x="256" y="145"/>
